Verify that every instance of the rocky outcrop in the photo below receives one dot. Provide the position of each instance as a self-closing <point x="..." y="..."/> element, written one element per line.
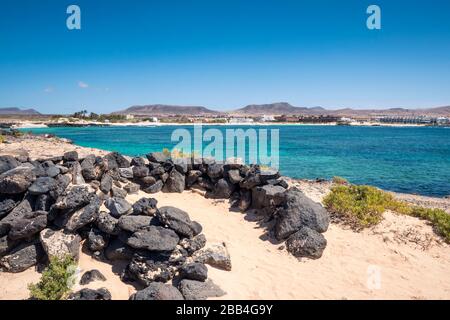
<point x="298" y="211"/>
<point x="49" y="206"/>
<point x="90" y="294"/>
<point x="175" y="182"/>
<point x="199" y="290"/>
<point x="145" y="206"/>
<point x="60" y="243"/>
<point x="177" y="220"/>
<point x="153" y="238"/>
<point x="306" y="243"/>
<point x="216" y="255"/>
<point x="21" y="258"/>
<point x="158" y="291"/>
<point x="118" y="206"/>
<point x="194" y="271"/>
<point x="91" y="275"/>
<point x="134" y="223"/>
<point x="16" y="180"/>
<point x="7" y="163"/>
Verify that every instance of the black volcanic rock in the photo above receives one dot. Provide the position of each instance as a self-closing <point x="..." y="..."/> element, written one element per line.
<point x="298" y="211"/>
<point x="158" y="291"/>
<point x="21" y="258"/>
<point x="16" y="180"/>
<point x="177" y="220"/>
<point x="194" y="271"/>
<point x="28" y="225"/>
<point x="92" y="275"/>
<point x="90" y="294"/>
<point x="306" y="243"/>
<point x="153" y="238"/>
<point x="8" y="163"/>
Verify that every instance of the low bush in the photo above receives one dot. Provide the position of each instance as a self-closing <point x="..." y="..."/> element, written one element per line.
<point x="56" y="281"/>
<point x="363" y="206"/>
<point x="339" y="180"/>
<point x="2" y="139"/>
<point x="177" y="154"/>
<point x="360" y="206"/>
<point x="439" y="219"/>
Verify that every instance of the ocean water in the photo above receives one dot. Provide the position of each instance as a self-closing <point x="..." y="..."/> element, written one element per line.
<point x="403" y="159"/>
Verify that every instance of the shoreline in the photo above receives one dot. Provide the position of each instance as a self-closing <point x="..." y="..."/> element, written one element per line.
<point x="55" y="140"/>
<point x="35" y="125"/>
<point x="54" y="144"/>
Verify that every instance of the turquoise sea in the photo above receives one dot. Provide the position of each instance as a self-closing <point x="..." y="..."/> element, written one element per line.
<point x="403" y="159"/>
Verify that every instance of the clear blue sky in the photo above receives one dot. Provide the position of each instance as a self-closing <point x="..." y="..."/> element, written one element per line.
<point x="223" y="54"/>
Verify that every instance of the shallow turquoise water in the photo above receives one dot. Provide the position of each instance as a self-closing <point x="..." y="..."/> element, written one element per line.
<point x="409" y="159"/>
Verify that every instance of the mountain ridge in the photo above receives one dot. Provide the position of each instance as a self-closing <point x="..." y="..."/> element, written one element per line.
<point x="18" y="111"/>
<point x="284" y="108"/>
<point x="277" y="108"/>
<point x="163" y="109"/>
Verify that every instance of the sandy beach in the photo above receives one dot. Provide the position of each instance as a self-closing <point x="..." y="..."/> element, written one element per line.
<point x="408" y="258"/>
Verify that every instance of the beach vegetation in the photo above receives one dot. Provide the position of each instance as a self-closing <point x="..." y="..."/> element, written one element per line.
<point x="56" y="280"/>
<point x="166" y="152"/>
<point x="363" y="206"/>
<point x="439" y="219"/>
<point x="339" y="180"/>
<point x="177" y="153"/>
<point x="92" y="116"/>
<point x="359" y="206"/>
<point x="2" y="139"/>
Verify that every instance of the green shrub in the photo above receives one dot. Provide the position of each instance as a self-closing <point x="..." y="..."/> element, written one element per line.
<point x="363" y="206"/>
<point x="166" y="152"/>
<point x="2" y="139"/>
<point x="176" y="153"/>
<point x="339" y="180"/>
<point x="56" y="281"/>
<point x="439" y="219"/>
<point x="360" y="206"/>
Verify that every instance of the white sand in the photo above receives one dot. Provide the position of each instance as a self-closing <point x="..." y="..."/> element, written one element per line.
<point x="41" y="147"/>
<point x="408" y="269"/>
<point x="262" y="271"/>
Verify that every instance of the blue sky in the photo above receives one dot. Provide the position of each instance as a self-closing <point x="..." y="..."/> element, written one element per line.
<point x="223" y="54"/>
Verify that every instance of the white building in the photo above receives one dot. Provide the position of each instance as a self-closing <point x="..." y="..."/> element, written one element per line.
<point x="265" y="118"/>
<point x="240" y="120"/>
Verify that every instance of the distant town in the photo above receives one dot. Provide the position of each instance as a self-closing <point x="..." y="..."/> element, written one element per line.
<point x="276" y="113"/>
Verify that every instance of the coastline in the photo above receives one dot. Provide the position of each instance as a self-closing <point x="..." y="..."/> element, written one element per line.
<point x="34" y="125"/>
<point x="41" y="146"/>
<point x="413" y="260"/>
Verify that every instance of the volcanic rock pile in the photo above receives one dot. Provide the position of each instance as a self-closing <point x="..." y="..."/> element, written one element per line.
<point x="48" y="206"/>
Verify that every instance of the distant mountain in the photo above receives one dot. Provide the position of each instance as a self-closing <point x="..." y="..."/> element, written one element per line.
<point x="162" y="109"/>
<point x="284" y="108"/>
<point x="17" y="111"/>
<point x="278" y="108"/>
<point x="437" y="112"/>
